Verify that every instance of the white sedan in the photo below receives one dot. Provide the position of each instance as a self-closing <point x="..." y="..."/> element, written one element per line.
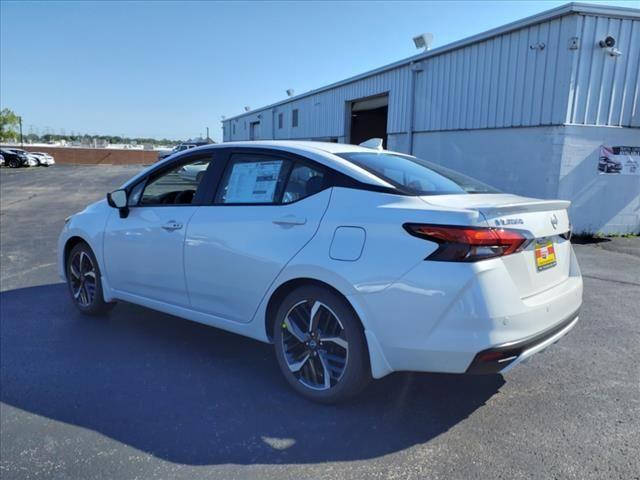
<point x="194" y="171"/>
<point x="354" y="262"/>
<point x="44" y="159"/>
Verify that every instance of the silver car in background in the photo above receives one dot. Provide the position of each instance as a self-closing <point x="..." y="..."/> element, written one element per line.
<point x="43" y="158"/>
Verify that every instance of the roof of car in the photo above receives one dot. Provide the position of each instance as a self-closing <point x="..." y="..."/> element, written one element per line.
<point x="322" y="152"/>
<point x="329" y="147"/>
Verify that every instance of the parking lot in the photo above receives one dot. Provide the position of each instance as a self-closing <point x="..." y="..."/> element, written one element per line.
<point x="141" y="394"/>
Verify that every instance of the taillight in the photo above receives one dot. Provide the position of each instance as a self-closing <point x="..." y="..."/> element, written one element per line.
<point x="468" y="244"/>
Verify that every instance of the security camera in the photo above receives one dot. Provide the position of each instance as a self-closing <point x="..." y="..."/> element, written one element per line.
<point x="614" y="52"/>
<point x="608" y="42"/>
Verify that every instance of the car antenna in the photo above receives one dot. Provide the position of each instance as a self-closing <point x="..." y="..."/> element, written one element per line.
<point x="374" y="143"/>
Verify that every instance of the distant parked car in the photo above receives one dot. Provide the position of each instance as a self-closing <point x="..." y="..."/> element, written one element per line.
<point x="179" y="148"/>
<point x="44" y="159"/>
<point x="609" y="165"/>
<point x="32" y="161"/>
<point x="194" y="171"/>
<point x="14" y="159"/>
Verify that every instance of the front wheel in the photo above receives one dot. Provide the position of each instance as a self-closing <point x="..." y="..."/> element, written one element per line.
<point x="84" y="281"/>
<point x="320" y="345"/>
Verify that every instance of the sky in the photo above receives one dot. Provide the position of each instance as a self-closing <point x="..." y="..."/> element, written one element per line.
<point x="171" y="69"/>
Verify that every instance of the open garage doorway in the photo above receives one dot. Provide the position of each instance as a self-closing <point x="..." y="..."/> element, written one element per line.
<point x="368" y="119"/>
<point x="254" y="131"/>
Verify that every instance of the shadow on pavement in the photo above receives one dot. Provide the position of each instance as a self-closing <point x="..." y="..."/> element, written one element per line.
<point x="192" y="394"/>
<point x="588" y="239"/>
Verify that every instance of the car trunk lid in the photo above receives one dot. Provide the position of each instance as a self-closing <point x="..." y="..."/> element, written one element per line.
<point x="545" y="261"/>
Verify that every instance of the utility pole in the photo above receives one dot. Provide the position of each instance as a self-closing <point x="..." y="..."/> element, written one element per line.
<point x="21" y="140"/>
<point x="207" y="133"/>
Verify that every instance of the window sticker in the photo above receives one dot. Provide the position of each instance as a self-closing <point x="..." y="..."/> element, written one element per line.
<point x="253" y="182"/>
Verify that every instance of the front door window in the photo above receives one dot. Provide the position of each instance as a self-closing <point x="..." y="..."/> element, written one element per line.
<point x="175" y="187"/>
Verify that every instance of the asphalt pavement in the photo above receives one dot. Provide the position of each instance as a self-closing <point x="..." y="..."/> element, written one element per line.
<point x="141" y="394"/>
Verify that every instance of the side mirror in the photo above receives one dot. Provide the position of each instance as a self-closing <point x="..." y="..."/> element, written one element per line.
<point x="118" y="199"/>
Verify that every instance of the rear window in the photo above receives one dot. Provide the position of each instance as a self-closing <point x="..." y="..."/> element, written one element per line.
<point x="416" y="176"/>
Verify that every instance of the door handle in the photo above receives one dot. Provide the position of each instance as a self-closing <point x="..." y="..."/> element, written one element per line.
<point x="290" y="220"/>
<point x="172" y="225"/>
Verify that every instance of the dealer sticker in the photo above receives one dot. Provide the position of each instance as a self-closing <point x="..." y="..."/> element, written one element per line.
<point x="545" y="255"/>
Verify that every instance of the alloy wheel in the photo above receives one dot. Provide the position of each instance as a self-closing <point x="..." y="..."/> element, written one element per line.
<point x="82" y="278"/>
<point x="314" y="344"/>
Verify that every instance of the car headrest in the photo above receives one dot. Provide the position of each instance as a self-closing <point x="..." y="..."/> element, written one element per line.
<point x="314" y="185"/>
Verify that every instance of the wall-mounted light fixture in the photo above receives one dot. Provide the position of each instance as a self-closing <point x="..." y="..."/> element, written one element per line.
<point x="423" y="41"/>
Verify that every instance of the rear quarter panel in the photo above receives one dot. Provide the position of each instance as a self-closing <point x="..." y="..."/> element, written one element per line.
<point x="388" y="252"/>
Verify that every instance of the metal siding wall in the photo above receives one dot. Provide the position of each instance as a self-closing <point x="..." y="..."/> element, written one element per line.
<point x="605" y="88"/>
<point x="500" y="82"/>
<point x="323" y="115"/>
<point x="496" y="83"/>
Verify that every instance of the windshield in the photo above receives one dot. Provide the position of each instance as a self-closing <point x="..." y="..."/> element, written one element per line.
<point x="416" y="176"/>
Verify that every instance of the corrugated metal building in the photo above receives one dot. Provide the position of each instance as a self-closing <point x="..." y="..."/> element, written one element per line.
<point x="524" y="107"/>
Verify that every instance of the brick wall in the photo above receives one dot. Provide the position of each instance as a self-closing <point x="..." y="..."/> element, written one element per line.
<point x="97" y="156"/>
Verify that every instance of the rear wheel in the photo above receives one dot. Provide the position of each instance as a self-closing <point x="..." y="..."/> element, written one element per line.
<point x="13" y="163"/>
<point x="320" y="345"/>
<point x="84" y="281"/>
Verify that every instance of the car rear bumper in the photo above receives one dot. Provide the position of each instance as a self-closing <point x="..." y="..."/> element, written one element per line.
<point x="440" y="317"/>
<point x="502" y="358"/>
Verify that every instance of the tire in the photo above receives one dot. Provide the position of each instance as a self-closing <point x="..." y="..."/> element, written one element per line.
<point x="84" y="281"/>
<point x="337" y="345"/>
<point x="13" y="163"/>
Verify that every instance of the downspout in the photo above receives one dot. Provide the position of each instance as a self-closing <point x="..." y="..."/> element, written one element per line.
<point x="415" y="67"/>
<point x="273" y="123"/>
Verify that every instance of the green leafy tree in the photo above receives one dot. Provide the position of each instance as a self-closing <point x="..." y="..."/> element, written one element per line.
<point x="9" y="125"/>
<point x="31" y="138"/>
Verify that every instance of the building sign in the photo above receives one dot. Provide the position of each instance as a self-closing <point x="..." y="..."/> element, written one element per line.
<point x="619" y="160"/>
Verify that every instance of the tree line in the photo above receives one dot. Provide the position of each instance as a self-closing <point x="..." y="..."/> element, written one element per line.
<point x="10" y="132"/>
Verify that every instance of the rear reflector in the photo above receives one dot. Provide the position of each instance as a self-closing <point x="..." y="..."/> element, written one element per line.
<point x="468" y="244"/>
